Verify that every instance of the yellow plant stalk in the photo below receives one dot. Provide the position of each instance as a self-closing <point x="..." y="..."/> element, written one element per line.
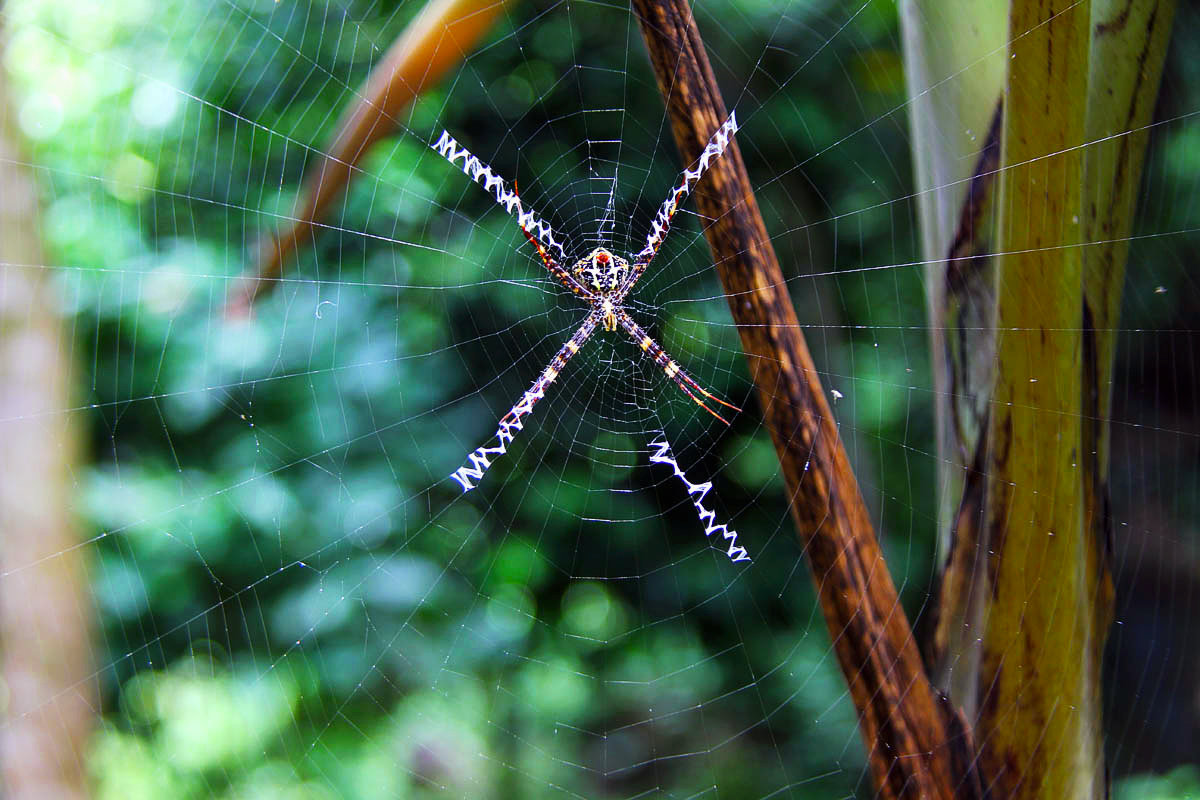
<point x="1038" y="725"/>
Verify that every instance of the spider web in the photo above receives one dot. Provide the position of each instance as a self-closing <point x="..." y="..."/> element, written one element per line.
<point x="291" y="596"/>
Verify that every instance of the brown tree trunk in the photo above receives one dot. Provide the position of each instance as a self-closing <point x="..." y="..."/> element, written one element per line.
<point x="44" y="605"/>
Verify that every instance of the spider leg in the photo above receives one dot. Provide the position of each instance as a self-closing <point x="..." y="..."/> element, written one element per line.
<point x="536" y="231"/>
<point x="555" y="269"/>
<point x="672" y="369"/>
<point x="661" y="225"/>
<point x="478" y="462"/>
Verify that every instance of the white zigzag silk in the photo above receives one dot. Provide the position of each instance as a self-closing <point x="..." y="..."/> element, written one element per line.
<point x="662" y="221"/>
<point x="697" y="492"/>
<point x="482" y="174"/>
<point x="469" y="474"/>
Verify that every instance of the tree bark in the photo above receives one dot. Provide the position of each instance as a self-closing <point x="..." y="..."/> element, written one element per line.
<point x="45" y="617"/>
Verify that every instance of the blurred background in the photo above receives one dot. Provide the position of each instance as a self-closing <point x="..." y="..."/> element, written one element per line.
<point x="278" y="592"/>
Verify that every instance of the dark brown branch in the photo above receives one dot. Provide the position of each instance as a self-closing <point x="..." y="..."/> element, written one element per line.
<point x="916" y="745"/>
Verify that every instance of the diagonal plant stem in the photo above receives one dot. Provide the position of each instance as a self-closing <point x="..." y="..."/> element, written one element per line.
<point x="917" y="745"/>
<point x="438" y="39"/>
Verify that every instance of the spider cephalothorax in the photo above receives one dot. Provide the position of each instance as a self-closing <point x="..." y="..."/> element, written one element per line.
<point x="601" y="271"/>
<point x="605" y="275"/>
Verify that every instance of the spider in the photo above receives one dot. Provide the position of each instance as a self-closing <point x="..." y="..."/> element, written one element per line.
<point x="601" y="278"/>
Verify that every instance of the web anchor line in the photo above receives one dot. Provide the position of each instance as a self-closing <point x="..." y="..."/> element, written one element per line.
<point x="697" y="492"/>
<point x="481" y="173"/>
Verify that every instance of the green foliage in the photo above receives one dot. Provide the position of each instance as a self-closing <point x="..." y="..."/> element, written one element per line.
<point x="1181" y="783"/>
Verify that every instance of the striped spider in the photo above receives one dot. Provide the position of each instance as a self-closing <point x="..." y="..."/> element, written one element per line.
<point x="601" y="278"/>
